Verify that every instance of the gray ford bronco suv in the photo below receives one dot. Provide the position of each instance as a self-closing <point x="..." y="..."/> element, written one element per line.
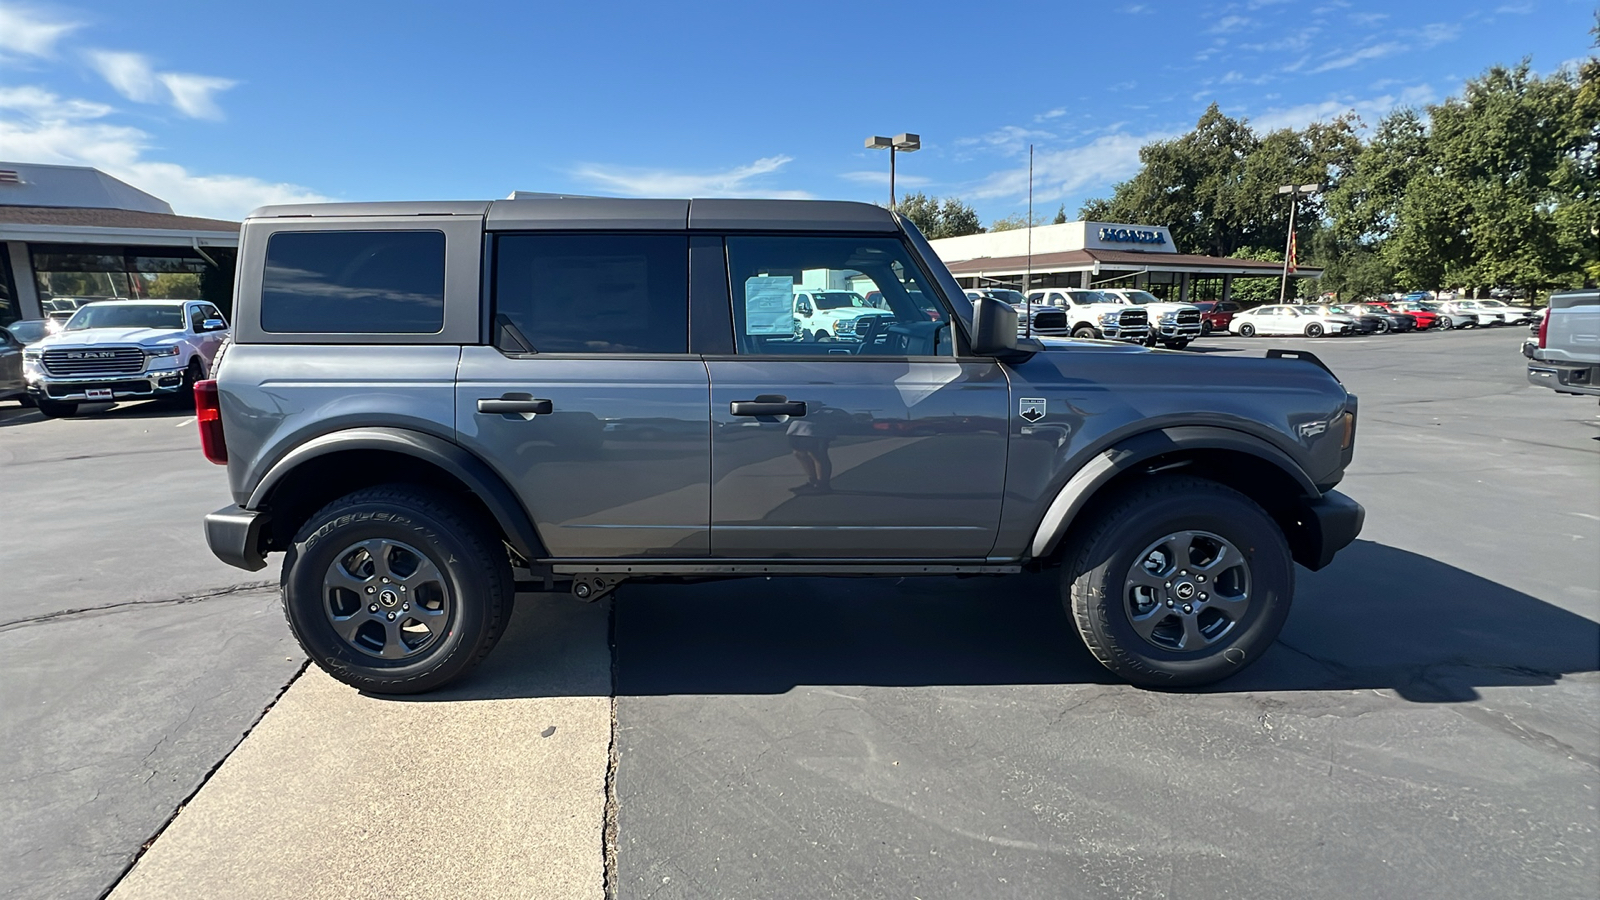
<point x="429" y="406"/>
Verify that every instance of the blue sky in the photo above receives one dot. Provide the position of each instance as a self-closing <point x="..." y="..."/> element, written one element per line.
<point x="219" y="107"/>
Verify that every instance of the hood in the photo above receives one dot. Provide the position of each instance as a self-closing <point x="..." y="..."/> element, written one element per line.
<point x="1081" y="344"/>
<point x="92" y="336"/>
<point x="1167" y="307"/>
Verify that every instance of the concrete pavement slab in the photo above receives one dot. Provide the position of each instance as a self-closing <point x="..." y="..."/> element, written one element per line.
<point x="494" y="787"/>
<point x="110" y="719"/>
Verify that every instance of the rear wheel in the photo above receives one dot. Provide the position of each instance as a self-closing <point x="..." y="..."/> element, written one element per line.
<point x="55" y="409"/>
<point x="1247" y="330"/>
<point x="1178" y="581"/>
<point x="1383" y="327"/>
<point x="1314" y="330"/>
<point x="396" y="590"/>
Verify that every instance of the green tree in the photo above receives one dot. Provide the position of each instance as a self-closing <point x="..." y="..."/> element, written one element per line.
<point x="1216" y="188"/>
<point x="1061" y="216"/>
<point x="937" y="218"/>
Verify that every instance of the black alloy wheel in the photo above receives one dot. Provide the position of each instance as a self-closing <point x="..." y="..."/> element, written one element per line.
<point x="396" y="589"/>
<point x="1178" y="581"/>
<point x="1314" y="330"/>
<point x="1382" y="328"/>
<point x="1247" y="330"/>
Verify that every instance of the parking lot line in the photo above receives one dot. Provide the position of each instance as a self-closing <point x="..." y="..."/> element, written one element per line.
<point x="185" y="423"/>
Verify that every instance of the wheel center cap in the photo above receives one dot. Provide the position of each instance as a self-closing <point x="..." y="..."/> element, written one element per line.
<point x="1184" y="590"/>
<point x="388" y="598"/>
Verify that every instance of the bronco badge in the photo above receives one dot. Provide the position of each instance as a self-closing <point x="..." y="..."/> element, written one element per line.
<point x="1031" y="409"/>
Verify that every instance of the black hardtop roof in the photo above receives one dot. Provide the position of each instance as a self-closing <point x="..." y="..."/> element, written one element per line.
<point x="620" y="213"/>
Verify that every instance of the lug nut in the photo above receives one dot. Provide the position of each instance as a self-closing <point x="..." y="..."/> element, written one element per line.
<point x="1204" y="596"/>
<point x="1169" y="604"/>
<point x="1186" y="608"/>
<point x="371" y="589"/>
<point x="386" y="581"/>
<point x="1200" y="578"/>
<point x="372" y="608"/>
<point x="391" y="617"/>
<point x="1169" y="585"/>
<point x="402" y="589"/>
<point x="405" y="607"/>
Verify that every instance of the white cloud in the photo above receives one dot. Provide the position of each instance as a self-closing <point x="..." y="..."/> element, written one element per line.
<point x="1346" y="60"/>
<point x="133" y="76"/>
<point x="1369" y="109"/>
<point x="192" y="94"/>
<point x="129" y="74"/>
<point x="735" y="182"/>
<point x="1515" y="9"/>
<point x="1230" y="23"/>
<point x="1062" y="173"/>
<point x="1425" y="38"/>
<point x="39" y="126"/>
<point x="1056" y="113"/>
<point x="29" y="33"/>
<point x="1010" y="139"/>
<point x="881" y="178"/>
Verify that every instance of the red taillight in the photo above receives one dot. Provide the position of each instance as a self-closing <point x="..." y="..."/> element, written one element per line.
<point x="208" y="412"/>
<point x="1544" y="327"/>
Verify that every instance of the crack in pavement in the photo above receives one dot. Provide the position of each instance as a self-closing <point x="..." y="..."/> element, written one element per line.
<point x="46" y="618"/>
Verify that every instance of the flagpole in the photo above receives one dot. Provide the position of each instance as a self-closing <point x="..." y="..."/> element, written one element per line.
<point x="1288" y="248"/>
<point x="1027" y="279"/>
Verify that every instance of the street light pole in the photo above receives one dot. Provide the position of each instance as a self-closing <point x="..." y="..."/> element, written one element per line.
<point x="903" y="143"/>
<point x="1294" y="192"/>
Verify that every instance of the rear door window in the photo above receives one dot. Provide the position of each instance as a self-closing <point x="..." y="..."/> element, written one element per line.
<point x="354" y="282"/>
<point x="593" y="293"/>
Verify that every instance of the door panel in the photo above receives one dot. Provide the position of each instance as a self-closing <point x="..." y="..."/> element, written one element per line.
<point x="620" y="464"/>
<point x="894" y="458"/>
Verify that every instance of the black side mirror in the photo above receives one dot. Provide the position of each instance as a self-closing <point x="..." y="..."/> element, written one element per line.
<point x="994" y="327"/>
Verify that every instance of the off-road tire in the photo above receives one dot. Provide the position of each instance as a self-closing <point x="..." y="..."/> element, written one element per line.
<point x="55" y="409"/>
<point x="1097" y="561"/>
<point x="464" y="549"/>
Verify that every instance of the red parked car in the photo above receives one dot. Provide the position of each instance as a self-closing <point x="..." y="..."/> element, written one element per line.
<point x="1215" y="315"/>
<point x="1426" y="318"/>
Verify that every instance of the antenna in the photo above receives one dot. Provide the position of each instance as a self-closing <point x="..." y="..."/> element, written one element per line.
<point x="1027" y="280"/>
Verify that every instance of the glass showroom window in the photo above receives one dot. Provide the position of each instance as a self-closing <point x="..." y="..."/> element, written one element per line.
<point x="69" y="275"/>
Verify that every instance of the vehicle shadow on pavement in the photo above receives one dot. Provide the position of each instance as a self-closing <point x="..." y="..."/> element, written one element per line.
<point x="1379" y="617"/>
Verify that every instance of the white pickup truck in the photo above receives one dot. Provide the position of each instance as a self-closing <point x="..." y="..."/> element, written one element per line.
<point x="1096" y="314"/>
<point x="124" y="350"/>
<point x="1173" y="325"/>
<point x="1565" y="356"/>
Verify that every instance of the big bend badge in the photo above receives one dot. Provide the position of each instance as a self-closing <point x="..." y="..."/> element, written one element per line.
<point x="1031" y="409"/>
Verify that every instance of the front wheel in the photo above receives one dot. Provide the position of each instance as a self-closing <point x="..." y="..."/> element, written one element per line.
<point x="396" y="590"/>
<point x="1314" y="330"/>
<point x="1383" y="327"/>
<point x="184" y="398"/>
<point x="1085" y="332"/>
<point x="1177" y="582"/>
<point x="1247" y="330"/>
<point x="1176" y="343"/>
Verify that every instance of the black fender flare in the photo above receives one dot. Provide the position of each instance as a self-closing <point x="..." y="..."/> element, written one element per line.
<point x="484" y="482"/>
<point x="1131" y="451"/>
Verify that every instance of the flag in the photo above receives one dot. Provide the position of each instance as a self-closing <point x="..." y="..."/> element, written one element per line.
<point x="1291" y="253"/>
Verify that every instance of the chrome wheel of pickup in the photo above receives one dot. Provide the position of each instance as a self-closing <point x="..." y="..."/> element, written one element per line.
<point x="1187" y="591"/>
<point x="386" y="599"/>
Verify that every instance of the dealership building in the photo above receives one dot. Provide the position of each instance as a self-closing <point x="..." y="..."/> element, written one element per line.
<point x="69" y="234"/>
<point x="1099" y="255"/>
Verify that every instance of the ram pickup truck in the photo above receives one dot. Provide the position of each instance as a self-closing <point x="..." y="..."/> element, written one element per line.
<point x="124" y="350"/>
<point x="1565" y="356"/>
<point x="427" y="407"/>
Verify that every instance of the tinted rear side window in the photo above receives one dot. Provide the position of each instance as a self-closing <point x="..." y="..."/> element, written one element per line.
<point x="595" y="293"/>
<point x="354" y="282"/>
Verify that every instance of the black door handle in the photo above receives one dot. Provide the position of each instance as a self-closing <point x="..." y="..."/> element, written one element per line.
<point x="514" y="403"/>
<point x="764" y="407"/>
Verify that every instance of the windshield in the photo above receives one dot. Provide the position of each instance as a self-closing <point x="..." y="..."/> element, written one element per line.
<point x="1095" y="297"/>
<point x="1143" y="297"/>
<point x="837" y="300"/>
<point x="28" y="331"/>
<point x="1316" y="311"/>
<point x="1014" y="298"/>
<point x="126" y="315"/>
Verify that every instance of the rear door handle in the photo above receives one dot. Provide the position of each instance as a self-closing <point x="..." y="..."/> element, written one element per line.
<point x="764" y="407"/>
<point x="514" y="404"/>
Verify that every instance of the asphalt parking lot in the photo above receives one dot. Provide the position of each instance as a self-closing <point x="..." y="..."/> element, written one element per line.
<point x="1426" y="726"/>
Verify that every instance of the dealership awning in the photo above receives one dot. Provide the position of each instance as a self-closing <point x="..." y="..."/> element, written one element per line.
<point x="1097" y="261"/>
<point x="90" y="225"/>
